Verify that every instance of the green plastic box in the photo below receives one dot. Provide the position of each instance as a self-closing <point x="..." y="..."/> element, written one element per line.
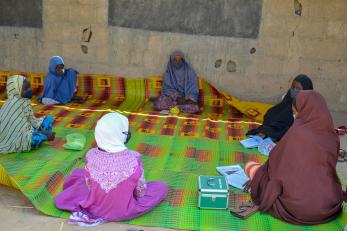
<point x="213" y="192"/>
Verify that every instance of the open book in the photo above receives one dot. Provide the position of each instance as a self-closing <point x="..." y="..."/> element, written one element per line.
<point x="264" y="145"/>
<point x="234" y="175"/>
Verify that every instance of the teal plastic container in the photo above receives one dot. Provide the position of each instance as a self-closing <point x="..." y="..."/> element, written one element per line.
<point x="213" y="192"/>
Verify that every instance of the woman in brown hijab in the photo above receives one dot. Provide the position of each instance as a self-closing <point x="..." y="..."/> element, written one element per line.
<point x="298" y="183"/>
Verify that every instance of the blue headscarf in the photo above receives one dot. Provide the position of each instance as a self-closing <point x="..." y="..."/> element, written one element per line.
<point x="61" y="88"/>
<point x="182" y="81"/>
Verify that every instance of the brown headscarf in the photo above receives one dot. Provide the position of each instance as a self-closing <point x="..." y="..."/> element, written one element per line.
<point x="298" y="183"/>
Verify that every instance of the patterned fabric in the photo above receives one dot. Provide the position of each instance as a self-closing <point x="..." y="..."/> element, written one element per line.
<point x="105" y="92"/>
<point x="110" y="169"/>
<point x="166" y="103"/>
<point x="17" y="121"/>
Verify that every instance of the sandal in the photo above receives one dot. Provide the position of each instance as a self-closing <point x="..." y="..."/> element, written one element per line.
<point x="244" y="210"/>
<point x="342" y="155"/>
<point x="342" y="130"/>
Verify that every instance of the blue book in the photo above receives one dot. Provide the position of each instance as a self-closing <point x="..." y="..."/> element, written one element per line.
<point x="266" y="146"/>
<point x="234" y="175"/>
<point x="252" y="142"/>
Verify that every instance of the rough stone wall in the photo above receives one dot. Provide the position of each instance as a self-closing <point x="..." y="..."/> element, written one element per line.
<point x="252" y="69"/>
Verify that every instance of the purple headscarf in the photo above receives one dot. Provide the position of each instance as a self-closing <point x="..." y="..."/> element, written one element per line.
<point x="182" y="81"/>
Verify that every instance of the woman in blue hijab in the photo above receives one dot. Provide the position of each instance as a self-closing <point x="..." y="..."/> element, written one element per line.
<point x="60" y="84"/>
<point x="180" y="86"/>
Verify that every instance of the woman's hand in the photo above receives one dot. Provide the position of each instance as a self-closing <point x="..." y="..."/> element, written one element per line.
<point x="262" y="135"/>
<point x="247" y="186"/>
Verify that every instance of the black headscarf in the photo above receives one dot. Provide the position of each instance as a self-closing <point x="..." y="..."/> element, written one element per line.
<point x="305" y="81"/>
<point x="279" y="118"/>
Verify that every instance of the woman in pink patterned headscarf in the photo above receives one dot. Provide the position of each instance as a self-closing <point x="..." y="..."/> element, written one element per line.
<point x="112" y="186"/>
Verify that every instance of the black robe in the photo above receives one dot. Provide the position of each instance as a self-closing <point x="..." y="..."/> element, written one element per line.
<point x="279" y="118"/>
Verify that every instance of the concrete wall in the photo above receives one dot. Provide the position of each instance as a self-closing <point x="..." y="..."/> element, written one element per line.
<point x="288" y="44"/>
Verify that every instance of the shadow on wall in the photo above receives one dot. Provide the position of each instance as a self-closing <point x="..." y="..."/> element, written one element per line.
<point x="20" y="13"/>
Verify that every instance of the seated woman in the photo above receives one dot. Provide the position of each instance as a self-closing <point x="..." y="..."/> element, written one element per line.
<point x="112" y="186"/>
<point x="180" y="86"/>
<point x="60" y="86"/>
<point x="20" y="130"/>
<point x="298" y="183"/>
<point x="279" y="118"/>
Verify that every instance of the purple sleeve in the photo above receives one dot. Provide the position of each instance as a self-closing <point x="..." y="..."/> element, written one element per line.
<point x="192" y="87"/>
<point x="168" y="88"/>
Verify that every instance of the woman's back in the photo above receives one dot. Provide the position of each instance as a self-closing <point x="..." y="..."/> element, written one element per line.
<point x="112" y="186"/>
<point x="299" y="183"/>
<point x="16" y="119"/>
<point x="112" y="180"/>
<point x="310" y="187"/>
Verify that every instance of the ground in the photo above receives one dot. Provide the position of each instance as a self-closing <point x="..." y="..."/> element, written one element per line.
<point x="17" y="213"/>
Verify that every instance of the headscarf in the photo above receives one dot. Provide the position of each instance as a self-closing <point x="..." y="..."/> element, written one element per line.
<point x="182" y="81"/>
<point x="305" y="81"/>
<point x="14" y="87"/>
<point x="61" y="88"/>
<point x="279" y="118"/>
<point x="111" y="132"/>
<point x="299" y="183"/>
<point x="17" y="121"/>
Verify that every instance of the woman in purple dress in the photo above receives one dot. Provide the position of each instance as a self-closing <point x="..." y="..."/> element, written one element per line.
<point x="112" y="185"/>
<point x="180" y="86"/>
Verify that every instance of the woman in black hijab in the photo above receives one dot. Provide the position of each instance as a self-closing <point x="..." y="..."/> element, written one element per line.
<point x="279" y="118"/>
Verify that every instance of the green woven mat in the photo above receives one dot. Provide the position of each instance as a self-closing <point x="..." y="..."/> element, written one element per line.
<point x="176" y="160"/>
<point x="175" y="150"/>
